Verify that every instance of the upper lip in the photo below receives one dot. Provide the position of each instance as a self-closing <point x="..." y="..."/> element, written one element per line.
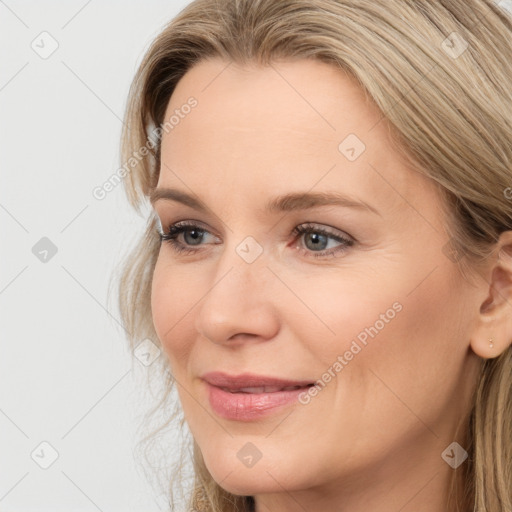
<point x="249" y="380"/>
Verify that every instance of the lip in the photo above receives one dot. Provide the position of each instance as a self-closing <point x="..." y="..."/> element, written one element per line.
<point x="231" y="398"/>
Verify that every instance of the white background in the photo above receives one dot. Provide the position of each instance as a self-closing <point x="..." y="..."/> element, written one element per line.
<point x="66" y="375"/>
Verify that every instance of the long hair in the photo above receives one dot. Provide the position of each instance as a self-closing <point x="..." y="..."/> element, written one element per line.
<point x="440" y="73"/>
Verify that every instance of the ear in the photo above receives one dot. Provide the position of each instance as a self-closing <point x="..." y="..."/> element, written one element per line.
<point x="495" y="318"/>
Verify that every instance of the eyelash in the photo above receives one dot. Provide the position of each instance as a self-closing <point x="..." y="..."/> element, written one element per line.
<point x="180" y="227"/>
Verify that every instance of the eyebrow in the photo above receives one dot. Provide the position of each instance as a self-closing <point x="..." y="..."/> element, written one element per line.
<point x="284" y="203"/>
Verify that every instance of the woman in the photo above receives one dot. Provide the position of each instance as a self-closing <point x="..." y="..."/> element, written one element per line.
<point x="328" y="262"/>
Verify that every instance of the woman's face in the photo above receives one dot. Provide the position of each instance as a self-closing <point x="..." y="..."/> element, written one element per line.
<point x="275" y="284"/>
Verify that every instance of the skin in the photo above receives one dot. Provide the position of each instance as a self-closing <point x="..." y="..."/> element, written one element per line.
<point x="372" y="439"/>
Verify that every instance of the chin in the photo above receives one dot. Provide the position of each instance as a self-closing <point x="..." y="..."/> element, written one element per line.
<point x="248" y="482"/>
<point x="265" y="476"/>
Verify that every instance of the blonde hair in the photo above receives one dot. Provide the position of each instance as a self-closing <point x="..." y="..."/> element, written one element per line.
<point x="451" y="114"/>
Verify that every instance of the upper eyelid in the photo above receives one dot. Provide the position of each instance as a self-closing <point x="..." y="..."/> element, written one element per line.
<point x="312" y="226"/>
<point x="185" y="222"/>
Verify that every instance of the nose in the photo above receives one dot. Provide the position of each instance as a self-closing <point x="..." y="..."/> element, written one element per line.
<point x="239" y="305"/>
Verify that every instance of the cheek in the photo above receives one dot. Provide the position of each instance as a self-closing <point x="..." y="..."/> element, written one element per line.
<point x="402" y="328"/>
<point x="344" y="306"/>
<point x="174" y="292"/>
<point x="397" y="347"/>
<point x="348" y="304"/>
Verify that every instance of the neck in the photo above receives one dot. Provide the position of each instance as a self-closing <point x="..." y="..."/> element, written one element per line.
<point x="400" y="483"/>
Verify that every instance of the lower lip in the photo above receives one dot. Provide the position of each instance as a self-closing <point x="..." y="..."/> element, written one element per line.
<point x="249" y="406"/>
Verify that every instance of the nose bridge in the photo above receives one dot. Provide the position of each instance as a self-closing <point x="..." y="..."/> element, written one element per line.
<point x="240" y="275"/>
<point x="243" y="261"/>
<point x="238" y="299"/>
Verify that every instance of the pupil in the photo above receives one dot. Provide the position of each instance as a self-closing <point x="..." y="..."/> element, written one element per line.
<point x="317" y="239"/>
<point x="196" y="236"/>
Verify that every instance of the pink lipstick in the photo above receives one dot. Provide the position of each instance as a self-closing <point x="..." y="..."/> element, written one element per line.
<point x="248" y="397"/>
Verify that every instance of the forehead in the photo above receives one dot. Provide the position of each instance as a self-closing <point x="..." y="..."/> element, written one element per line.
<point x="291" y="125"/>
<point x="304" y="102"/>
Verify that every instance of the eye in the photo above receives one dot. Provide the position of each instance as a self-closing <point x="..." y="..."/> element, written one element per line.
<point x="192" y="234"/>
<point x="321" y="241"/>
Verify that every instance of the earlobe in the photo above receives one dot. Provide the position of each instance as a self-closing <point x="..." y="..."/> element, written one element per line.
<point x="488" y="347"/>
<point x="486" y="350"/>
<point x="493" y="332"/>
